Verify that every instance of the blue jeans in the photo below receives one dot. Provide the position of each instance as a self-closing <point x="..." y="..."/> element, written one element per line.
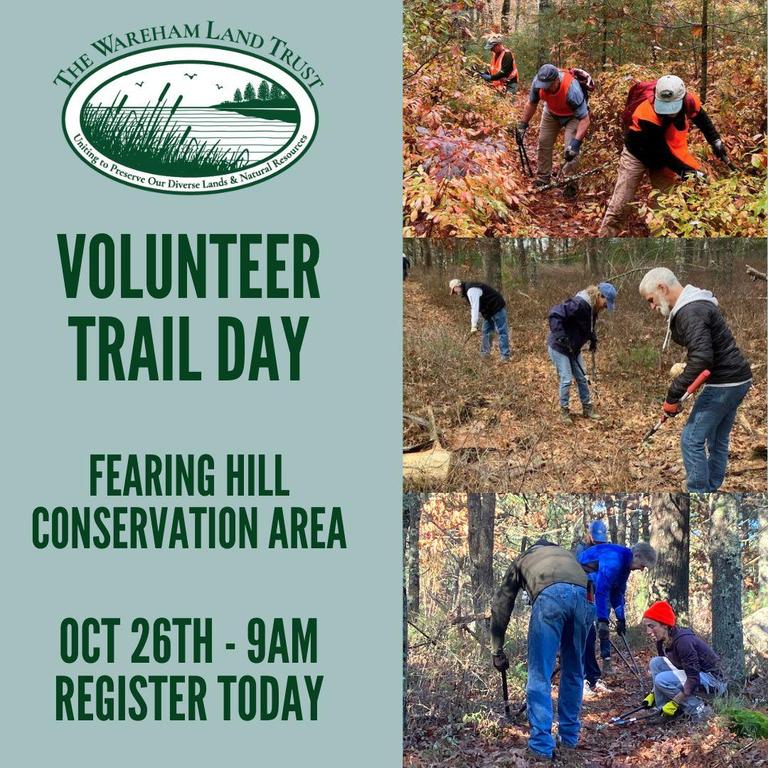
<point x="668" y="681"/>
<point x="499" y="323"/>
<point x="560" y="619"/>
<point x="567" y="371"/>
<point x="704" y="440"/>
<point x="592" y="671"/>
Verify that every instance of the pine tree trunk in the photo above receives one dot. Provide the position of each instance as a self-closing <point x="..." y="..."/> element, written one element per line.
<point x="670" y="538"/>
<point x="543" y="22"/>
<point x="613" y="529"/>
<point x="762" y="549"/>
<point x="411" y="519"/>
<point x="482" y="508"/>
<point x="505" y="16"/>
<point x="704" y="50"/>
<point x="492" y="264"/>
<point x="621" y="522"/>
<point x="725" y="558"/>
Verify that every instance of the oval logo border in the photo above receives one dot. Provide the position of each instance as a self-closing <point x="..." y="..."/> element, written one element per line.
<point x="187" y="50"/>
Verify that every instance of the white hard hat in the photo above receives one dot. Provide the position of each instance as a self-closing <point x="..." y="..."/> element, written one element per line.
<point x="670" y="92"/>
<point x="453" y="284"/>
<point x="491" y="41"/>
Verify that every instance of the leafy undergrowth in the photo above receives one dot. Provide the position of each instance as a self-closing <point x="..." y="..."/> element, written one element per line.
<point x="462" y="175"/>
<point x="500" y="421"/>
<point x="456" y="718"/>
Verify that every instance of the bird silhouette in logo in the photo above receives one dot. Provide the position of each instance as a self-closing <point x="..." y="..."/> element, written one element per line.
<point x="219" y="86"/>
<point x="139" y="84"/>
<point x="186" y="74"/>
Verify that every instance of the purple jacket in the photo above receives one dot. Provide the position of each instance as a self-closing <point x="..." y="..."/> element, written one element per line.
<point x="687" y="651"/>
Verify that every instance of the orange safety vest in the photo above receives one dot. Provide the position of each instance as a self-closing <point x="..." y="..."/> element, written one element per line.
<point x="495" y="68"/>
<point x="556" y="102"/>
<point x="677" y="140"/>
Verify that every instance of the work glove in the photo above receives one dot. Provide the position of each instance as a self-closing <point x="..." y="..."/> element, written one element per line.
<point x="593" y="345"/>
<point x="520" y="131"/>
<point x="718" y="148"/>
<point x="485" y="76"/>
<point x="649" y="700"/>
<point x="621" y="627"/>
<point x="572" y="150"/>
<point x="670" y="409"/>
<point x="500" y="661"/>
<point x="602" y="630"/>
<point x="691" y="174"/>
<point x="473" y="330"/>
<point x="670" y="709"/>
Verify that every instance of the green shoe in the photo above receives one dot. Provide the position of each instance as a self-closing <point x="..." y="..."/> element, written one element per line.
<point x="588" y="412"/>
<point x="565" y="416"/>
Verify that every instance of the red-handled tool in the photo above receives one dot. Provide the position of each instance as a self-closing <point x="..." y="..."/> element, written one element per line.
<point x="700" y="379"/>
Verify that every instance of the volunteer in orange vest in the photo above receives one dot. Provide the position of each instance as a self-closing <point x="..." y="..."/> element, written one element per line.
<point x="656" y="143"/>
<point x="565" y="108"/>
<point x="502" y="71"/>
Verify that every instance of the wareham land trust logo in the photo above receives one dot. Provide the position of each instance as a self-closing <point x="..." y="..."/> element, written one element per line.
<point x="190" y="119"/>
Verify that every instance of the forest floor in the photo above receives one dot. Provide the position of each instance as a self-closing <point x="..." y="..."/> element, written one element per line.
<point x="501" y="421"/>
<point x="486" y="738"/>
<point x="553" y="215"/>
<point x="463" y="176"/>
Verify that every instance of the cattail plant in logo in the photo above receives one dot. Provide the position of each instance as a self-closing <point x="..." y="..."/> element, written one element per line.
<point x="190" y="119"/>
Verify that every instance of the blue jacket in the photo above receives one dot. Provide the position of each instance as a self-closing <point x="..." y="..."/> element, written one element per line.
<point x="607" y="566"/>
<point x="573" y="319"/>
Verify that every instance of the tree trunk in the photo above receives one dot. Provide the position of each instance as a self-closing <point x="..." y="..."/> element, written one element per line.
<point x="543" y="24"/>
<point x="492" y="263"/>
<point x="704" y="50"/>
<point x="517" y="14"/>
<point x="411" y="520"/>
<point x="670" y="539"/>
<point x="645" y="524"/>
<point x="482" y="508"/>
<point x="604" y="42"/>
<point x="762" y="549"/>
<point x="505" y="16"/>
<point x="621" y="522"/>
<point x="725" y="557"/>
<point x="634" y="527"/>
<point x="612" y="528"/>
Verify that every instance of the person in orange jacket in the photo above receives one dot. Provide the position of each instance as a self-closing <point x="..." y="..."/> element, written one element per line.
<point x="502" y="71"/>
<point x="656" y="142"/>
<point x="565" y="109"/>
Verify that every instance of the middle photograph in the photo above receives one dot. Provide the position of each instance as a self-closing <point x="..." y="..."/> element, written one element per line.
<point x="586" y="365"/>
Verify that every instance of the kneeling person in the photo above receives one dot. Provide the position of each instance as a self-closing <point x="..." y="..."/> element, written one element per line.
<point x="684" y="666"/>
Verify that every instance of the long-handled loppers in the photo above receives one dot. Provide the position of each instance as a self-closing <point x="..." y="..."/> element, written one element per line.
<point x="521" y="150"/>
<point x="625" y="719"/>
<point x="629" y="661"/>
<point x="700" y="379"/>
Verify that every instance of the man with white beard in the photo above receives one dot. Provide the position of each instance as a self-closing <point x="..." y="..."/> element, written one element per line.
<point x="695" y="322"/>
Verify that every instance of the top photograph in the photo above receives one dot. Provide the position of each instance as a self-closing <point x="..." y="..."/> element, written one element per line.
<point x="542" y="118"/>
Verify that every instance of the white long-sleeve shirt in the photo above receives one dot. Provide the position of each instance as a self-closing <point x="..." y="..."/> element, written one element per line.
<point x="473" y="296"/>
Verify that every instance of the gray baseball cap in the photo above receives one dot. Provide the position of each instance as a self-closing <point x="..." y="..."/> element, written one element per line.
<point x="670" y="92"/>
<point x="546" y="76"/>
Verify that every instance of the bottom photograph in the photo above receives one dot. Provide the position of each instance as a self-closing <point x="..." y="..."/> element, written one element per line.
<point x="581" y="630"/>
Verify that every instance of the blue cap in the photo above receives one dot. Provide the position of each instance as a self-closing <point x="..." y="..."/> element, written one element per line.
<point x="610" y="294"/>
<point x="598" y="532"/>
<point x="546" y="76"/>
